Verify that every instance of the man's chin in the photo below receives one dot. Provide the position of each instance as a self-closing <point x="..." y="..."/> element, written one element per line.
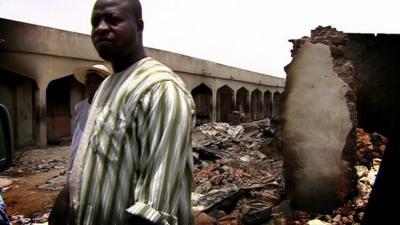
<point x="105" y="50"/>
<point x="106" y="55"/>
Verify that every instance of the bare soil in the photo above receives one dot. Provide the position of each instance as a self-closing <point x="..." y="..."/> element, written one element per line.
<point x="34" y="169"/>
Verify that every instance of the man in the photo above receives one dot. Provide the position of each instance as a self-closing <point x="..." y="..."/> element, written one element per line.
<point x="134" y="161"/>
<point x="91" y="77"/>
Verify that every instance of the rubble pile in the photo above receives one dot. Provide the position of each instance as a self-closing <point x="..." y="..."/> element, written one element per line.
<point x="369" y="146"/>
<point x="370" y="149"/>
<point x="27" y="167"/>
<point x="32" y="165"/>
<point x="36" y="219"/>
<point x="55" y="183"/>
<point x="238" y="176"/>
<point x="7" y="184"/>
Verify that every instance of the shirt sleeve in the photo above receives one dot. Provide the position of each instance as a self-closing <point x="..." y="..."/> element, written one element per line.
<point x="74" y="115"/>
<point x="165" y="119"/>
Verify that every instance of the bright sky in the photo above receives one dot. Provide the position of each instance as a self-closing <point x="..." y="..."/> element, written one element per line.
<point x="248" y="34"/>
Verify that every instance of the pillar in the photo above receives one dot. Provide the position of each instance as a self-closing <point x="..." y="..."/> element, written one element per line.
<point x="40" y="118"/>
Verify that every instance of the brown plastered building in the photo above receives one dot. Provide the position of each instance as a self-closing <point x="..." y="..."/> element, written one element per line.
<point x="38" y="88"/>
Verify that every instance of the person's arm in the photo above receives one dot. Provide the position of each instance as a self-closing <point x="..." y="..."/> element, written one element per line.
<point x="137" y="220"/>
<point x="59" y="212"/>
<point x="74" y="117"/>
<point x="164" y="119"/>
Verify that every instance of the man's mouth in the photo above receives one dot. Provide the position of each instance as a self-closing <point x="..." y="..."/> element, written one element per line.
<point x="101" y="40"/>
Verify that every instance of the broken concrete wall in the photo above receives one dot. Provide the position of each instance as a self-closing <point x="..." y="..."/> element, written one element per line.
<point x="318" y="121"/>
<point x="377" y="76"/>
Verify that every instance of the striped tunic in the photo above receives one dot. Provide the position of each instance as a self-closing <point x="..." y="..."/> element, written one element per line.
<point x="135" y="155"/>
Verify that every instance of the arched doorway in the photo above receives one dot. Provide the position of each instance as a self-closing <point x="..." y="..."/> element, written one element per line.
<point x="202" y="96"/>
<point x="256" y="105"/>
<point x="276" y="103"/>
<point x="268" y="103"/>
<point x="242" y="102"/>
<point x="224" y="103"/>
<point x="61" y="96"/>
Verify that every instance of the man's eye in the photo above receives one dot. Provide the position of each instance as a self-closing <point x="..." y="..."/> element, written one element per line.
<point x="113" y="20"/>
<point x="95" y="22"/>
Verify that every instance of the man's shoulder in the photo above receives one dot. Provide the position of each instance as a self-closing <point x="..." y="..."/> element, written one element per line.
<point x="155" y="72"/>
<point x="156" y="66"/>
<point x="82" y="104"/>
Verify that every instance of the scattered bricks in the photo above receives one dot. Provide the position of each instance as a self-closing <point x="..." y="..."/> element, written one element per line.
<point x="240" y="171"/>
<point x="232" y="219"/>
<point x="204" y="219"/>
<point x="216" y="180"/>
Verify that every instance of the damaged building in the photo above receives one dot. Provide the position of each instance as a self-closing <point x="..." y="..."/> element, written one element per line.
<point x="38" y="88"/>
<point x="339" y="98"/>
<point x="254" y="173"/>
<point x="348" y="82"/>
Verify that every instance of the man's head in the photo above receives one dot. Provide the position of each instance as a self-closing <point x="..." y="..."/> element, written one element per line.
<point x="117" y="27"/>
<point x="91" y="77"/>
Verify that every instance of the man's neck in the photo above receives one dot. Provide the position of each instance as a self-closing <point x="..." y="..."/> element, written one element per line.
<point x="121" y="64"/>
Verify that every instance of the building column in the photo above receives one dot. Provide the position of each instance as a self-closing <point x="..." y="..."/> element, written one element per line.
<point x="261" y="105"/>
<point x="234" y="100"/>
<point x="273" y="113"/>
<point x="40" y="119"/>
<point x="214" y="105"/>
<point x="250" y="105"/>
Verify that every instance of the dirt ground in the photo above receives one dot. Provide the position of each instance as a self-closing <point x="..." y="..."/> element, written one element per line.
<point x="31" y="185"/>
<point x="34" y="169"/>
<point x="30" y="194"/>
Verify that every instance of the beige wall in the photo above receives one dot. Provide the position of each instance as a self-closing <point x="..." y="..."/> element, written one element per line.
<point x="16" y="93"/>
<point x="46" y="54"/>
<point x="24" y="114"/>
<point x="199" y="67"/>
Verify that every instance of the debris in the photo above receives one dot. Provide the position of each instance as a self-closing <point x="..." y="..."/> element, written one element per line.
<point x="5" y="182"/>
<point x="370" y="148"/>
<point x="55" y="184"/>
<point x="36" y="219"/>
<point x="235" y="182"/>
<point x="204" y="219"/>
<point x="316" y="222"/>
<point x="233" y="218"/>
<point x="255" y="213"/>
<point x="237" y="132"/>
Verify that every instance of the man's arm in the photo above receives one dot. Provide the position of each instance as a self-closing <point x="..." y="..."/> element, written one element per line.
<point x="138" y="220"/>
<point x="59" y="212"/>
<point x="164" y="119"/>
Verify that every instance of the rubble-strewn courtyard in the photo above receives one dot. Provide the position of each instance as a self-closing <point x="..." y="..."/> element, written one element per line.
<point x="33" y="182"/>
<point x="239" y="178"/>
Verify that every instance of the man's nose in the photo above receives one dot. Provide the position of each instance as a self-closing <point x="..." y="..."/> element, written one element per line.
<point x="102" y="26"/>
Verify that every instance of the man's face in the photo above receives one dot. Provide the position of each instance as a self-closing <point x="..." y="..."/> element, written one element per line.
<point x="115" y="29"/>
<point x="92" y="83"/>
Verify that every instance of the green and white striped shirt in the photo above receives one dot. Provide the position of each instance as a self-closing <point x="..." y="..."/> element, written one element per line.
<point x="135" y="155"/>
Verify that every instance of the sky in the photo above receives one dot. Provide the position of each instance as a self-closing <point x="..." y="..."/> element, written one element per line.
<point x="248" y="34"/>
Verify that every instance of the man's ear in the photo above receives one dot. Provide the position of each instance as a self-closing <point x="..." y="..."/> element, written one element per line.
<point x="140" y="24"/>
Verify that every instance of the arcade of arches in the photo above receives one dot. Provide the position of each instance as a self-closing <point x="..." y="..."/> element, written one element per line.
<point x="41" y="96"/>
<point x="250" y="104"/>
